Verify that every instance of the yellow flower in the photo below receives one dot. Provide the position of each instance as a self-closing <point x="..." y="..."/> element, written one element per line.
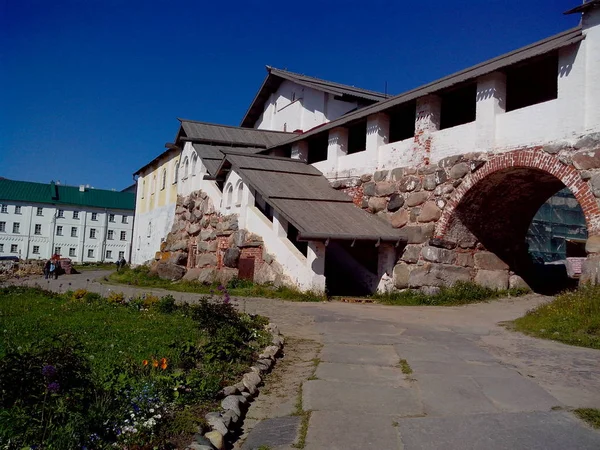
<point x="145" y="362"/>
<point x="163" y="363"/>
<point x="154" y="363"/>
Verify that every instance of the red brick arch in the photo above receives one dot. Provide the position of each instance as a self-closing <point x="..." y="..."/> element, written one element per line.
<point x="535" y="159"/>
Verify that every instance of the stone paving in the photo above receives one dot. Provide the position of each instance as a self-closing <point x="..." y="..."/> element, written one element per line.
<point x="474" y="385"/>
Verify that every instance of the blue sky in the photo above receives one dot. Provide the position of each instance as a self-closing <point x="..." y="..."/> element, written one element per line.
<point x="90" y="90"/>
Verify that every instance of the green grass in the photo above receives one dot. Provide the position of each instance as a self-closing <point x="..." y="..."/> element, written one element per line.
<point x="572" y="318"/>
<point x="140" y="276"/>
<point x="111" y="334"/>
<point x="405" y="367"/>
<point x="590" y="415"/>
<point x="94" y="266"/>
<point x="461" y="293"/>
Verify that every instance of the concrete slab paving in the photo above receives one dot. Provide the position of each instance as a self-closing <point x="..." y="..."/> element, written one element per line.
<point x="516" y="394"/>
<point x="351" y="430"/>
<point x="425" y="352"/>
<point x="378" y="355"/>
<point x="320" y="395"/>
<point x="542" y="430"/>
<point x="276" y="432"/>
<point x="353" y="373"/>
<point x="444" y="395"/>
<point x="464" y="368"/>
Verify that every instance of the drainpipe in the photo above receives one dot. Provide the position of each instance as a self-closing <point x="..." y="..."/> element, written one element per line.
<point x="83" y="235"/>
<point x="103" y="245"/>
<point x="29" y="232"/>
<point x="53" y="229"/>
<point x="135" y="180"/>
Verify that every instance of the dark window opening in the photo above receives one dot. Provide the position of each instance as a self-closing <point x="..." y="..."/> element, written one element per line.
<point x="533" y="82"/>
<point x="292" y="235"/>
<point x="284" y="152"/>
<point x="263" y="206"/>
<point x="458" y="106"/>
<point x="317" y="148"/>
<point x="357" y="138"/>
<point x="402" y="122"/>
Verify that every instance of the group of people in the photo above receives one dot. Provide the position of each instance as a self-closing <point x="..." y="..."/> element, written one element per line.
<point x="120" y="263"/>
<point x="51" y="269"/>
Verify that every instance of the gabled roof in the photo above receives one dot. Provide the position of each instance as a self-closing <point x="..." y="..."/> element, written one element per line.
<point x="56" y="194"/>
<point x="212" y="155"/>
<point x="547" y="45"/>
<point x="585" y="7"/>
<point x="275" y="77"/>
<point x="303" y="196"/>
<point x="224" y="134"/>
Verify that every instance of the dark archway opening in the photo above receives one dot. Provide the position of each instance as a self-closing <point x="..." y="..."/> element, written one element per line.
<point x="351" y="268"/>
<point x="498" y="213"/>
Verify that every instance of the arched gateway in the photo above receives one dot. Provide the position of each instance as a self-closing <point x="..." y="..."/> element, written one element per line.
<point x="494" y="205"/>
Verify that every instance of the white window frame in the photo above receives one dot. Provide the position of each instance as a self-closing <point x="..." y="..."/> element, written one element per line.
<point x="123" y="235"/>
<point x="40" y="211"/>
<point x="37" y="229"/>
<point x="4" y="209"/>
<point x="59" y="230"/>
<point x="108" y="254"/>
<point x="92" y="233"/>
<point x="60" y="213"/>
<point x="17" y="209"/>
<point x="14" y="248"/>
<point x="94" y="216"/>
<point x="16" y="227"/>
<point x="121" y="255"/>
<point x="36" y="250"/>
<point x="90" y="253"/>
<point x="110" y="235"/>
<point x="72" y="252"/>
<point x="73" y="231"/>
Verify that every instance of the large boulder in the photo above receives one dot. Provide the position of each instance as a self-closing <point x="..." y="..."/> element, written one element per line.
<point x="231" y="257"/>
<point x="168" y="271"/>
<point x="226" y="274"/>
<point x="489" y="261"/>
<point x="395" y="203"/>
<point x="438" y="255"/>
<point x="438" y="275"/>
<point x="495" y="279"/>
<point x="417" y="198"/>
<point x="377" y="204"/>
<point x="206" y="259"/>
<point x="401" y="275"/>
<point x="264" y="274"/>
<point x="399" y="218"/>
<point x="418" y="234"/>
<point x="207" y="275"/>
<point x="429" y="212"/>
<point x="179" y="258"/>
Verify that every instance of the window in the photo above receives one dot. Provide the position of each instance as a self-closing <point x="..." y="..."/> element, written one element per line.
<point x="17" y="209"/>
<point x="73" y="231"/>
<point x="36" y="249"/>
<point x="1" y="248"/>
<point x="2" y="226"/>
<point x="149" y="229"/>
<point x="124" y="219"/>
<point x="40" y="211"/>
<point x="240" y="191"/>
<point x="61" y="213"/>
<point x="14" y="248"/>
<point x="59" y="230"/>
<point x="57" y="250"/>
<point x="71" y="251"/>
<point x="402" y="122"/>
<point x="194" y="162"/>
<point x="317" y="148"/>
<point x="176" y="172"/>
<point x="357" y="138"/>
<point x="75" y="214"/>
<point x="186" y="166"/>
<point x="153" y="185"/>
<point x="94" y="216"/>
<point x="458" y="106"/>
<point x="163" y="179"/>
<point x="38" y="229"/>
<point x="111" y="217"/>
<point x="108" y="254"/>
<point x="4" y="208"/>
<point x="90" y="252"/>
<point x="121" y="255"/>
<point x="123" y="235"/>
<point x="110" y="235"/>
<point x="534" y="81"/>
<point x="92" y="233"/>
<point x="16" y="227"/>
<point x="143" y="188"/>
<point x="229" y="196"/>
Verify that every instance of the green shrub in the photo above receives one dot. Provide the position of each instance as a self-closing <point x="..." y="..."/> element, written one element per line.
<point x="166" y="304"/>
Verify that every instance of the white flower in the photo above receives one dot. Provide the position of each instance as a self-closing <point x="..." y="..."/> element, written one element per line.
<point x="151" y="410"/>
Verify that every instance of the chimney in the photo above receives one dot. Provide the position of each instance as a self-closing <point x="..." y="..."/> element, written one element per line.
<point x="81" y="188"/>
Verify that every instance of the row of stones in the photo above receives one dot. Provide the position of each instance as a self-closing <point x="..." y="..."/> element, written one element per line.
<point x="236" y="399"/>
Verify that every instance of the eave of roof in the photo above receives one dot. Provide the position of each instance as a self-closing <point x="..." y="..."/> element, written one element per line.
<point x="276" y="76"/>
<point x="549" y="44"/>
<point x="584" y="7"/>
<point x="170" y="149"/>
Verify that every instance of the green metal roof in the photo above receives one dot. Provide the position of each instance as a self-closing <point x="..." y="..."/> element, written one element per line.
<point x="25" y="191"/>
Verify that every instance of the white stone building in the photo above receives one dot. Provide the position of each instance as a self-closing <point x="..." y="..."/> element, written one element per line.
<point x="84" y="224"/>
<point x="454" y="169"/>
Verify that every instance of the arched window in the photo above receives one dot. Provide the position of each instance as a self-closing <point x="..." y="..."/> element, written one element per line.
<point x="153" y="185"/>
<point x="239" y="189"/>
<point x="186" y="167"/>
<point x="163" y="179"/>
<point x="194" y="161"/>
<point x="176" y="172"/>
<point x="143" y="187"/>
<point x="229" y="200"/>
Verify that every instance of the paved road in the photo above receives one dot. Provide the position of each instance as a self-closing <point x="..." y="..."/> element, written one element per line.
<point x="474" y="385"/>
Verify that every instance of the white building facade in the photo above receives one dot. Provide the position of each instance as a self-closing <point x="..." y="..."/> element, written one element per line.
<point x="82" y="224"/>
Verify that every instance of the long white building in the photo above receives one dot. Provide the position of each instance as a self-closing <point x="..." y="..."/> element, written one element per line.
<point x="84" y="224"/>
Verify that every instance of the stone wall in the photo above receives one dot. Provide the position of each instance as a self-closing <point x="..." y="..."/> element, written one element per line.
<point x="206" y="246"/>
<point x="424" y="202"/>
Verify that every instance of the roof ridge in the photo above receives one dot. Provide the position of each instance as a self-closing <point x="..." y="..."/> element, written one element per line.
<point x="335" y="83"/>
<point x="57" y="185"/>
<point x="236" y="127"/>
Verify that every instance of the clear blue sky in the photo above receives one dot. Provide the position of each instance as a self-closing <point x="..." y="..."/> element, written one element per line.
<point x="90" y="90"/>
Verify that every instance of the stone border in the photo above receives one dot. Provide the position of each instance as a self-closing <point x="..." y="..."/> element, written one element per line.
<point x="236" y="398"/>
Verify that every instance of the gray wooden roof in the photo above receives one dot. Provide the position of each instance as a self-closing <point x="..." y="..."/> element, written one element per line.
<point x="224" y="134"/>
<point x="212" y="155"/>
<point x="589" y="4"/>
<point x="275" y="77"/>
<point x="547" y="45"/>
<point x="304" y="197"/>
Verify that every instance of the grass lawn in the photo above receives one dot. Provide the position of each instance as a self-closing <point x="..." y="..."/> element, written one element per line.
<point x="94" y="266"/>
<point x="140" y="276"/>
<point x="590" y="415"/>
<point x="461" y="293"/>
<point x="572" y="318"/>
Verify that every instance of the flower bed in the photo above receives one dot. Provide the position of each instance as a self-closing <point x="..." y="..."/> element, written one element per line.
<point x="81" y="371"/>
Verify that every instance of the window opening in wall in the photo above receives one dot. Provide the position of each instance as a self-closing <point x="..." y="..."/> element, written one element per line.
<point x="108" y="254"/>
<point x="1" y="248"/>
<point x="92" y="233"/>
<point x="59" y="230"/>
<point x="110" y="236"/>
<point x="36" y="249"/>
<point x="40" y="211"/>
<point x="239" y="193"/>
<point x="194" y="162"/>
<point x="16" y="227"/>
<point x="263" y="206"/>
<point x="14" y="248"/>
<point x="60" y="213"/>
<point x="4" y="208"/>
<point x="402" y="122"/>
<point x="121" y="255"/>
<point x="111" y="217"/>
<point x="17" y="209"/>
<point x="124" y="219"/>
<point x="75" y="214"/>
<point x="153" y="185"/>
<point x="357" y="137"/>
<point x="186" y="165"/>
<point x="458" y="106"/>
<point x="94" y="216"/>
<point x="73" y="231"/>
<point x="292" y="235"/>
<point x="532" y="82"/>
<point x="2" y="226"/>
<point x="57" y="250"/>
<point x="176" y="172"/>
<point x="163" y="179"/>
<point x="317" y="148"/>
<point x="123" y="235"/>
<point x="143" y="188"/>
<point x="38" y="229"/>
<point x="71" y="251"/>
<point x="90" y="253"/>
<point x="229" y="196"/>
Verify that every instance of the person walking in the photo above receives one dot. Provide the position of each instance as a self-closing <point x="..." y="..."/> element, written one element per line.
<point x="47" y="269"/>
<point x="51" y="269"/>
<point x="122" y="262"/>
